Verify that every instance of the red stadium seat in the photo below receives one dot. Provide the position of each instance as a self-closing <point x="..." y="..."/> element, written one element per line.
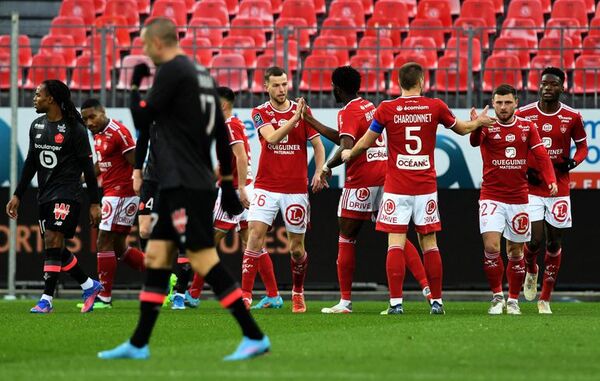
<point x="137" y="47"/>
<point x="230" y="70"/>
<point x="595" y="26"/>
<point x="243" y="45"/>
<point x="45" y="67"/>
<point x="297" y="28"/>
<point x="340" y="27"/>
<point x="501" y="69"/>
<point x="5" y="71"/>
<point x="24" y="48"/>
<point x="335" y="46"/>
<point x="460" y="47"/>
<point x="352" y="9"/>
<point x="199" y="50"/>
<point x="79" y="8"/>
<point x="303" y="9"/>
<point x="233" y="7"/>
<point x="210" y="28"/>
<point x="551" y="46"/>
<point x="211" y="9"/>
<point x="319" y="7"/>
<point x="244" y="26"/>
<point x="568" y="27"/>
<point x="527" y="9"/>
<point x="586" y="76"/>
<point x="276" y="6"/>
<point x="93" y="47"/>
<point x="382" y="49"/>
<point x="189" y="5"/>
<point x="590" y="6"/>
<point x="384" y="28"/>
<point x="59" y="46"/>
<point x="571" y="8"/>
<point x="69" y="26"/>
<point x="125" y="8"/>
<point x="316" y="73"/>
<point x="275" y="49"/>
<point x="499" y="6"/>
<point x="368" y="7"/>
<point x="521" y="28"/>
<point x="424" y="46"/>
<point x="87" y="74"/>
<point x="99" y="6"/>
<point x="117" y="25"/>
<point x="480" y="30"/>
<point x="451" y="75"/>
<point x="392" y="10"/>
<point x="538" y="64"/>
<point x="127" y="71"/>
<point x="175" y="9"/>
<point x="514" y="47"/>
<point x="435" y="9"/>
<point x="401" y="59"/>
<point x="428" y="28"/>
<point x="258" y="78"/>
<point x="143" y="7"/>
<point x="372" y="76"/>
<point x="481" y="8"/>
<point x="258" y="9"/>
<point x="591" y="46"/>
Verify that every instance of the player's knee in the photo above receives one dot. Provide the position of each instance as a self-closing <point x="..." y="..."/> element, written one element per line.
<point x="553" y="246"/>
<point x="534" y="245"/>
<point x="297" y="248"/>
<point x="104" y="242"/>
<point x="492" y="247"/>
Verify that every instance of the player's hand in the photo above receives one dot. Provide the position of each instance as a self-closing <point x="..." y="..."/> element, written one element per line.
<point x="301" y="109"/>
<point x="95" y="215"/>
<point x="12" y="207"/>
<point x="244" y="197"/>
<point x="485" y="120"/>
<point x="566" y="165"/>
<point x="473" y="113"/>
<point x="229" y="199"/>
<point x="346" y="155"/>
<point x="325" y="173"/>
<point x="533" y="177"/>
<point x="318" y="183"/>
<point x="138" y="180"/>
<point x="140" y="71"/>
<point x="553" y="189"/>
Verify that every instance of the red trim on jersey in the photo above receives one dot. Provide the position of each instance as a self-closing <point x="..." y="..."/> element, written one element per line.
<point x="383" y="227"/>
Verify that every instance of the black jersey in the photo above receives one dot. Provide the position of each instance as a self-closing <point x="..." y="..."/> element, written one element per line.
<point x="149" y="168"/>
<point x="59" y="152"/>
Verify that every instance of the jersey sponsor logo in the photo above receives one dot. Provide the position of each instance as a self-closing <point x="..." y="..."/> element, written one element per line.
<point x="547" y="141"/>
<point x="131" y="209"/>
<point x="106" y="209"/>
<point x="520" y="223"/>
<point x="510" y="152"/>
<point x="258" y="121"/>
<point x="376" y="154"/>
<point x="389" y="207"/>
<point x="560" y="210"/>
<point x="380" y="140"/>
<point x="47" y="147"/>
<point x="510" y="138"/>
<point x="39" y="126"/>
<point x="491" y="130"/>
<point x="431" y="207"/>
<point x="61" y="211"/>
<point x="555" y="153"/>
<point x="48" y="159"/>
<point x="363" y="194"/>
<point x="179" y="220"/>
<point x="412" y="118"/>
<point x="547" y="127"/>
<point x="295" y="214"/>
<point x="413" y="162"/>
<point x="284" y="149"/>
<point x="497" y="137"/>
<point x="59" y="138"/>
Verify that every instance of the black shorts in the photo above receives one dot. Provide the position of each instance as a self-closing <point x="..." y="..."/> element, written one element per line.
<point x="148" y="197"/>
<point x="185" y="216"/>
<point x="60" y="216"/>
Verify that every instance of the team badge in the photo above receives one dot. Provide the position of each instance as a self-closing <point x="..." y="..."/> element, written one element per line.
<point x="59" y="138"/>
<point x="563" y="128"/>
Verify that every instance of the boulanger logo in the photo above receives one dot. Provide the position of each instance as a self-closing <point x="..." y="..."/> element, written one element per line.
<point x="295" y="214"/>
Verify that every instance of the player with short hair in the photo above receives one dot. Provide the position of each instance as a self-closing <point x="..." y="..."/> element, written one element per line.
<point x="503" y="202"/>
<point x="184" y="107"/>
<point x="281" y="182"/>
<point x="410" y="188"/>
<point x="558" y="125"/>
<point x="363" y="188"/>
<point x="59" y="151"/>
<point x="115" y="149"/>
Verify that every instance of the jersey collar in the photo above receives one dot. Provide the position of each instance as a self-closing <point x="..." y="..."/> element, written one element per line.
<point x="537" y="106"/>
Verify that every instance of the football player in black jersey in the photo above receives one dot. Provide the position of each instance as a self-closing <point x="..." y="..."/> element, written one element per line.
<point x="59" y="151"/>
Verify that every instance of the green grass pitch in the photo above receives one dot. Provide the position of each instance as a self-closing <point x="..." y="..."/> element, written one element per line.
<point x="465" y="344"/>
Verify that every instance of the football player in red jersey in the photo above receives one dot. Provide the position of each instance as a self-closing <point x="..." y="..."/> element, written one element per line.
<point x="410" y="189"/>
<point x="363" y="188"/>
<point x="558" y="125"/>
<point x="115" y="158"/>
<point x="503" y="202"/>
<point x="281" y="182"/>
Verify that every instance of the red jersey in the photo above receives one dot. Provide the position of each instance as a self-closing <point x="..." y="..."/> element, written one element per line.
<point x="237" y="135"/>
<point x="411" y="124"/>
<point x="556" y="131"/>
<point x="283" y="167"/>
<point x="504" y="150"/>
<point x="367" y="170"/>
<point x="111" y="145"/>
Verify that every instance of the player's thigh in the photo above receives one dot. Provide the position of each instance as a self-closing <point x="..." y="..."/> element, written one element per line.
<point x="295" y="210"/>
<point x="558" y="212"/>
<point x="58" y="221"/>
<point x="198" y="205"/>
<point x="426" y="215"/>
<point x="349" y="227"/>
<point x="427" y="241"/>
<point x="296" y="242"/>
<point x="518" y="225"/>
<point x="537" y="208"/>
<point x="492" y="216"/>
<point x="264" y="206"/>
<point x="395" y="213"/>
<point x="491" y="241"/>
<point x="359" y="203"/>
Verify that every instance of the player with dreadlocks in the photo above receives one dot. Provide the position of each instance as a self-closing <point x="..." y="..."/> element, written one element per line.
<point x="59" y="151"/>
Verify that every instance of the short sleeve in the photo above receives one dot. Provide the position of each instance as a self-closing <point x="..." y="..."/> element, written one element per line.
<point x="259" y="118"/>
<point x="347" y="125"/>
<point x="445" y="116"/>
<point x="236" y="132"/>
<point x="578" y="134"/>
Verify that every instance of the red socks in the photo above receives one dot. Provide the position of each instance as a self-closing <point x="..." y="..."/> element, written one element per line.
<point x="346" y="263"/>
<point x="433" y="266"/>
<point x="267" y="274"/>
<point x="249" y="270"/>
<point x="494" y="270"/>
<point x="299" y="267"/>
<point x="530" y="259"/>
<point x="515" y="273"/>
<point x="552" y="262"/>
<point x="395" y="269"/>
<point x="134" y="258"/>
<point x="107" y="266"/>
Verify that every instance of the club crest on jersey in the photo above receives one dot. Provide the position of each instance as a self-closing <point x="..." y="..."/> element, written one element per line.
<point x="520" y="223"/>
<point x="547" y="127"/>
<point x="524" y="137"/>
<point x="59" y="138"/>
<point x="295" y="214"/>
<point x="510" y="152"/>
<point x="61" y="211"/>
<point x="510" y="138"/>
<point x="563" y="128"/>
<point x="179" y="219"/>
